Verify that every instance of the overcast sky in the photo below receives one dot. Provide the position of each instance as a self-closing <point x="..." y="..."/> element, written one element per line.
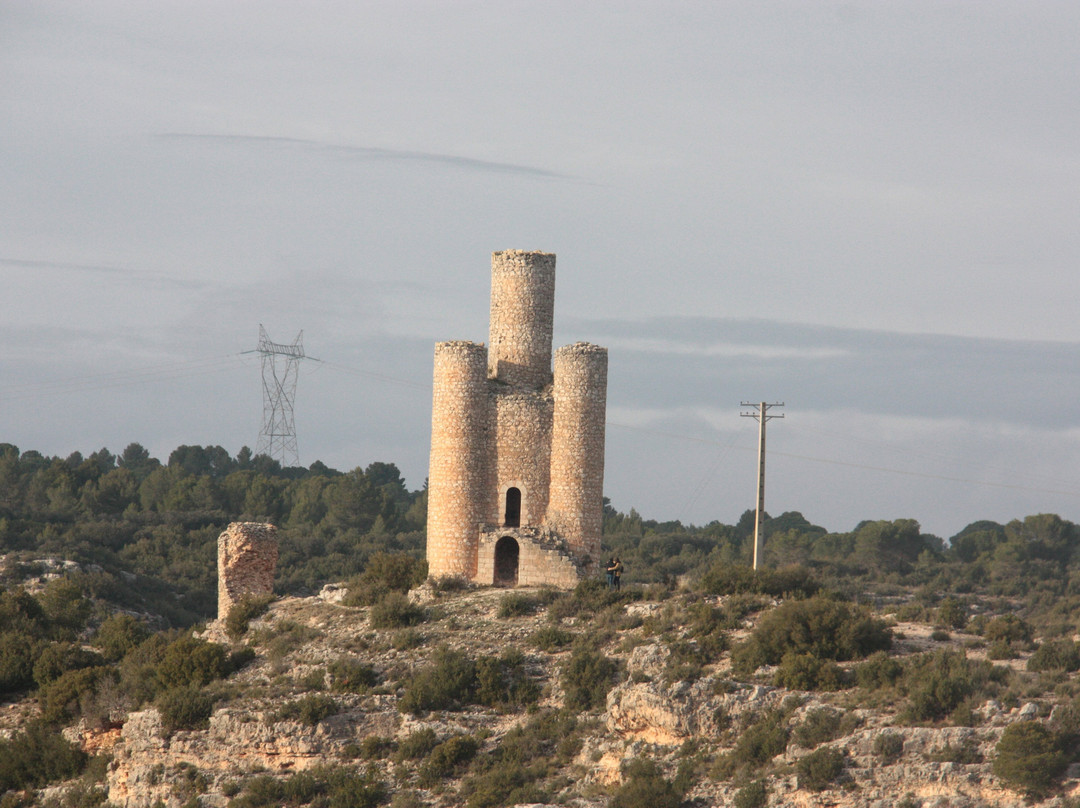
<point x="868" y="211"/>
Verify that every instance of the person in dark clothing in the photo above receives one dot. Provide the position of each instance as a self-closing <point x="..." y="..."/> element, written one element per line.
<point x="618" y="571"/>
<point x="610" y="570"/>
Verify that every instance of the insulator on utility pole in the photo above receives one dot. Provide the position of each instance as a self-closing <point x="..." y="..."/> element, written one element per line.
<point x="762" y="418"/>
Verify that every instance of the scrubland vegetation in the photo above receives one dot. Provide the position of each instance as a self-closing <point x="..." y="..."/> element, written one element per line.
<point x="110" y="632"/>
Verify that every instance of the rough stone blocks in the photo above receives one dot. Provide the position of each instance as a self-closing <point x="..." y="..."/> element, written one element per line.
<point x="517" y="446"/>
<point x="247" y="559"/>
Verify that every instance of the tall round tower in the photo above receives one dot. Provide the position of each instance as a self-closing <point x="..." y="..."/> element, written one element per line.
<point x="576" y="504"/>
<point x="522" y="314"/>
<point x="457" y="478"/>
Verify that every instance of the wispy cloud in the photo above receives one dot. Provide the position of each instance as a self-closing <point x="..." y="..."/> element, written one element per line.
<point x="103" y="270"/>
<point x="723" y="349"/>
<point x="374" y="153"/>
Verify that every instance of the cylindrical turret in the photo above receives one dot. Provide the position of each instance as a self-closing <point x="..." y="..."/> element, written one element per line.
<point x="522" y="314"/>
<point x="457" y="475"/>
<point x="576" y="499"/>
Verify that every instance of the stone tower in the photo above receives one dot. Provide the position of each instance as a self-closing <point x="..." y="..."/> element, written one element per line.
<point x="247" y="558"/>
<point x="515" y="488"/>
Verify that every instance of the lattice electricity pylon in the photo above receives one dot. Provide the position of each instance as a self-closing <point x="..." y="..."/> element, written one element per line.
<point x="280" y="369"/>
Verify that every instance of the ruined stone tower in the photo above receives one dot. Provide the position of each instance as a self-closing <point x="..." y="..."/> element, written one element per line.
<point x="247" y="558"/>
<point x="515" y="487"/>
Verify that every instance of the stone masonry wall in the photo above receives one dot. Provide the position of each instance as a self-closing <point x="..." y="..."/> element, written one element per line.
<point x="522" y="448"/>
<point x="503" y="418"/>
<point x="247" y="558"/>
<point x="540" y="561"/>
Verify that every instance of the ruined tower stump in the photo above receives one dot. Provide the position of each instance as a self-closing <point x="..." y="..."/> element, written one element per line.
<point x="247" y="558"/>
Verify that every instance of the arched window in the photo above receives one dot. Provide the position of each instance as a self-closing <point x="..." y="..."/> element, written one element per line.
<point x="512" y="517"/>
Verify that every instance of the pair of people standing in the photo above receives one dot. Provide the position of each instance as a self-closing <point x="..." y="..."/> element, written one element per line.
<point x="614" y="573"/>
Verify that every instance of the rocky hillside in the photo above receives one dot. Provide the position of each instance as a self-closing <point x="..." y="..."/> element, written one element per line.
<point x="489" y="697"/>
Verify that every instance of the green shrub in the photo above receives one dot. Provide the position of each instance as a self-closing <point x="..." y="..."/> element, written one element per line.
<point x="241" y="658"/>
<point x="820" y="725"/>
<point x="184" y="708"/>
<point x="65" y="607"/>
<point x="551" y="638"/>
<point x="752" y="795"/>
<point x="940" y="635"/>
<point x="191" y="662"/>
<point x="825" y="628"/>
<point x="453" y="680"/>
<point x="732" y="579"/>
<point x="645" y="787"/>
<point x="447" y="759"/>
<point x="517" y="604"/>
<point x="20" y="611"/>
<point x="757" y="745"/>
<point x="118" y="635"/>
<point x="58" y="658"/>
<point x="284" y="637"/>
<point x="407" y="639"/>
<point x="586" y="679"/>
<point x="448" y="681"/>
<point x="314" y="679"/>
<point x="37" y="756"/>
<point x="417" y="745"/>
<point x="708" y="626"/>
<point x="510" y="784"/>
<point x="590" y="597"/>
<point x="17" y="655"/>
<point x="335" y="787"/>
<point x="449" y="583"/>
<point x="243" y="612"/>
<point x="685" y="663"/>
<point x="878" y="671"/>
<point x="503" y="682"/>
<point x="385" y="573"/>
<point x="889" y="746"/>
<point x="1027" y="758"/>
<point x="376" y="747"/>
<point x="1055" y="655"/>
<point x="1010" y="629"/>
<point x="61" y="700"/>
<point x="819" y="769"/>
<point x="807" y="672"/>
<point x="952" y="613"/>
<point x="966" y="753"/>
<point x="937" y="683"/>
<point x="309" y="709"/>
<point x="395" y="610"/>
<point x="350" y="675"/>
<point x="511" y="773"/>
<point x="1001" y="649"/>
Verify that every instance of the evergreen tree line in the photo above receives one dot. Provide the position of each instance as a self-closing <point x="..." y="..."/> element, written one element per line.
<point x="146" y="532"/>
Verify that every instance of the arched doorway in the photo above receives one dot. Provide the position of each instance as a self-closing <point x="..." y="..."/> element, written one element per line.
<point x="506" y="561"/>
<point x="512" y="517"/>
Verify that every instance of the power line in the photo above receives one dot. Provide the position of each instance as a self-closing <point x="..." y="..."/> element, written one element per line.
<point x="121" y="378"/>
<point x="849" y="464"/>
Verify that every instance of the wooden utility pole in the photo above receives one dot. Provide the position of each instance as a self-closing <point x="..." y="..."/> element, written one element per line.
<point x="762" y="418"/>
